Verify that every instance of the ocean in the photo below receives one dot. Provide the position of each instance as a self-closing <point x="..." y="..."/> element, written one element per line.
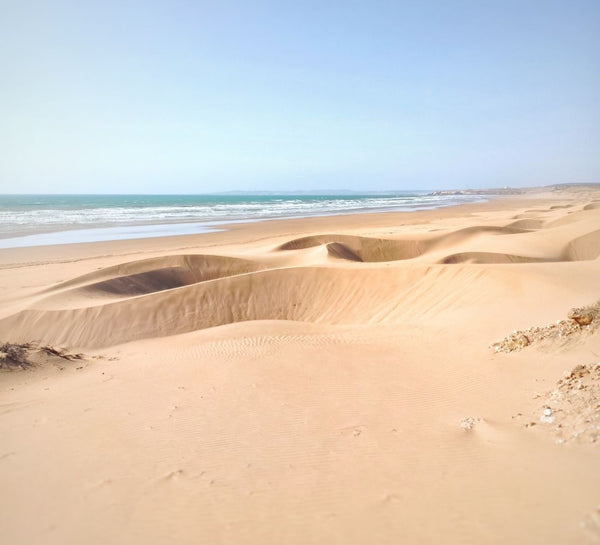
<point x="31" y="220"/>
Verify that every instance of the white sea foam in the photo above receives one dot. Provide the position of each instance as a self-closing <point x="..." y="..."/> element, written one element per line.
<point x="24" y="219"/>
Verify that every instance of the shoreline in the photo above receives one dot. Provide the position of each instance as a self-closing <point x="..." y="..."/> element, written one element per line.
<point x="230" y="230"/>
<point x="77" y="233"/>
<point x="105" y="231"/>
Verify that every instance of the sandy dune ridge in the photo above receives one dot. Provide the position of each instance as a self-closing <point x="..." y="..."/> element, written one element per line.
<point x="304" y="382"/>
<point x="179" y="293"/>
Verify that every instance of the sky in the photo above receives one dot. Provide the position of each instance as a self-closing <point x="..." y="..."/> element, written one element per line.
<point x="195" y="97"/>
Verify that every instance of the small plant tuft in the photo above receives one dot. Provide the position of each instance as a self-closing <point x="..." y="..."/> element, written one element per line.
<point x="14" y="355"/>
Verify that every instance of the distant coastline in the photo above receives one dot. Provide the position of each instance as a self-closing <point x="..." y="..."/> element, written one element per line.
<point x="514" y="190"/>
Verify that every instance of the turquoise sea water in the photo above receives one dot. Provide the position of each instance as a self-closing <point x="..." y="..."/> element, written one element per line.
<point x="27" y="220"/>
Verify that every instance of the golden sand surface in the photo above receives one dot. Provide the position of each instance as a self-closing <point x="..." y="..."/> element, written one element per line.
<point x="337" y="380"/>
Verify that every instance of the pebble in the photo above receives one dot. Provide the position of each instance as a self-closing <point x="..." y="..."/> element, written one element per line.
<point x="467" y="423"/>
<point x="547" y="417"/>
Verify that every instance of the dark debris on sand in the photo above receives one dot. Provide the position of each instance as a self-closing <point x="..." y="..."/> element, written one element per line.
<point x="15" y="356"/>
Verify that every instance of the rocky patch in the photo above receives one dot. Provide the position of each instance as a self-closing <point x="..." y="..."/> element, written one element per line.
<point x="579" y="320"/>
<point x="572" y="410"/>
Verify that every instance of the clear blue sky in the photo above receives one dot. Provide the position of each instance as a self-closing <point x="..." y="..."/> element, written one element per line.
<point x="192" y="96"/>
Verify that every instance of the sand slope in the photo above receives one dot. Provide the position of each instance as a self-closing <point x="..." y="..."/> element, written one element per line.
<point x="180" y="293"/>
<point x="305" y="383"/>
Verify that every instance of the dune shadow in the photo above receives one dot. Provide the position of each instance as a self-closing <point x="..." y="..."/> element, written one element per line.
<point x="154" y="275"/>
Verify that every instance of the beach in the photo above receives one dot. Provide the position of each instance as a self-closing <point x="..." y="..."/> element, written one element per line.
<point x="394" y="377"/>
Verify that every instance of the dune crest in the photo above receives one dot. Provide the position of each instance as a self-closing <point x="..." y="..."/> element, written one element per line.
<point x="348" y="280"/>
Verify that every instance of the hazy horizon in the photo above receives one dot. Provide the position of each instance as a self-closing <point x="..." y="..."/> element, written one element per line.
<point x="300" y="192"/>
<point x="180" y="98"/>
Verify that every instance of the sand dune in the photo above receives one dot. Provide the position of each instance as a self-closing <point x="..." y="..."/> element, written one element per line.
<point x="147" y="275"/>
<point x="378" y="250"/>
<point x="361" y="248"/>
<point x="583" y="248"/>
<point x="311" y="294"/>
<point x="324" y="380"/>
<point x="140" y="278"/>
